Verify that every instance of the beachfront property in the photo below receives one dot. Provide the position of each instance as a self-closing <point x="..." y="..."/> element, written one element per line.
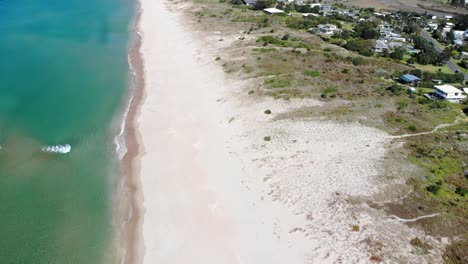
<point x="327" y="29"/>
<point x="273" y="11"/>
<point x="448" y="93"/>
<point x="410" y="79"/>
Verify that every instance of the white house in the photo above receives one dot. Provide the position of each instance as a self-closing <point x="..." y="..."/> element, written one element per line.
<point x="327" y="29"/>
<point x="448" y="17"/>
<point x="459" y="34"/>
<point x="448" y="93"/>
<point x="446" y="29"/>
<point x="432" y="26"/>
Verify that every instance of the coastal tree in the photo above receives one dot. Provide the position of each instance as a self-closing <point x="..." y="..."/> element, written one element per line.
<point x="398" y="54"/>
<point x="366" y="30"/>
<point x="461" y="22"/>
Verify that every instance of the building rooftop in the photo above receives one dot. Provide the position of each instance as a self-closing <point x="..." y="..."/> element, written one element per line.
<point x="273" y="10"/>
<point x="409" y="78"/>
<point x="250" y="2"/>
<point x="447" y="88"/>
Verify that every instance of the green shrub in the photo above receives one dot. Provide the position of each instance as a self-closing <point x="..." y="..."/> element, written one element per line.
<point x="402" y="105"/>
<point x="358" y="61"/>
<point x="329" y="91"/>
<point x="395" y="89"/>
<point x="426" y="84"/>
<point x="434" y="188"/>
<point x="412" y="128"/>
<point x="424" y="100"/>
<point x="461" y="191"/>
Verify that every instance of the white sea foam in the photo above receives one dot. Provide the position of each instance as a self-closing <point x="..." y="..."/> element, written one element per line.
<point x="57" y="149"/>
<point x="119" y="141"/>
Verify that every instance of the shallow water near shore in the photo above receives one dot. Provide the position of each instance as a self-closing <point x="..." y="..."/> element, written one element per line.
<point x="64" y="77"/>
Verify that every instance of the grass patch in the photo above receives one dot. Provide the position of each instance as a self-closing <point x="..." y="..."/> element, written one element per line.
<point x="277" y="82"/>
<point x="432" y="68"/>
<point x="312" y="73"/>
<point x="284" y="43"/>
<point x="264" y="50"/>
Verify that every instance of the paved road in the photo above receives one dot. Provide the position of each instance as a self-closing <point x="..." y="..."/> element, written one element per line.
<point x="451" y="64"/>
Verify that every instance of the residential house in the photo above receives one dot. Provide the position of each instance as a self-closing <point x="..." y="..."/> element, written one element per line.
<point x="395" y="44"/>
<point x="448" y="93"/>
<point x="250" y="2"/>
<point x="410" y="79"/>
<point x="446" y="29"/>
<point x="379" y="46"/>
<point x="458" y="42"/>
<point x="327" y="29"/>
<point x="273" y="11"/>
<point x="385" y="28"/>
<point x="432" y="26"/>
<point x="459" y="34"/>
<point x="390" y="36"/>
<point x="463" y="55"/>
<point x="326" y="8"/>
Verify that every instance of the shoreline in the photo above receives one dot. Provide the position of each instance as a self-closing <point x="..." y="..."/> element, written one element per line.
<point x="130" y="163"/>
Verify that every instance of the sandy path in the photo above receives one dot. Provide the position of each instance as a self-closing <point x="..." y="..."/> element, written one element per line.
<point x="216" y="192"/>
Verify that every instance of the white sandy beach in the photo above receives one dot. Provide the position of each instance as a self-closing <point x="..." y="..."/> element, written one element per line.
<point x="216" y="192"/>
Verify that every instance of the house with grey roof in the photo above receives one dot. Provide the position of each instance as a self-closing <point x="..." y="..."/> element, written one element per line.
<point x="379" y="46"/>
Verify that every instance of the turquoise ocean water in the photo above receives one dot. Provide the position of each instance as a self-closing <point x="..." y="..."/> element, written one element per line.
<point x="64" y="77"/>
